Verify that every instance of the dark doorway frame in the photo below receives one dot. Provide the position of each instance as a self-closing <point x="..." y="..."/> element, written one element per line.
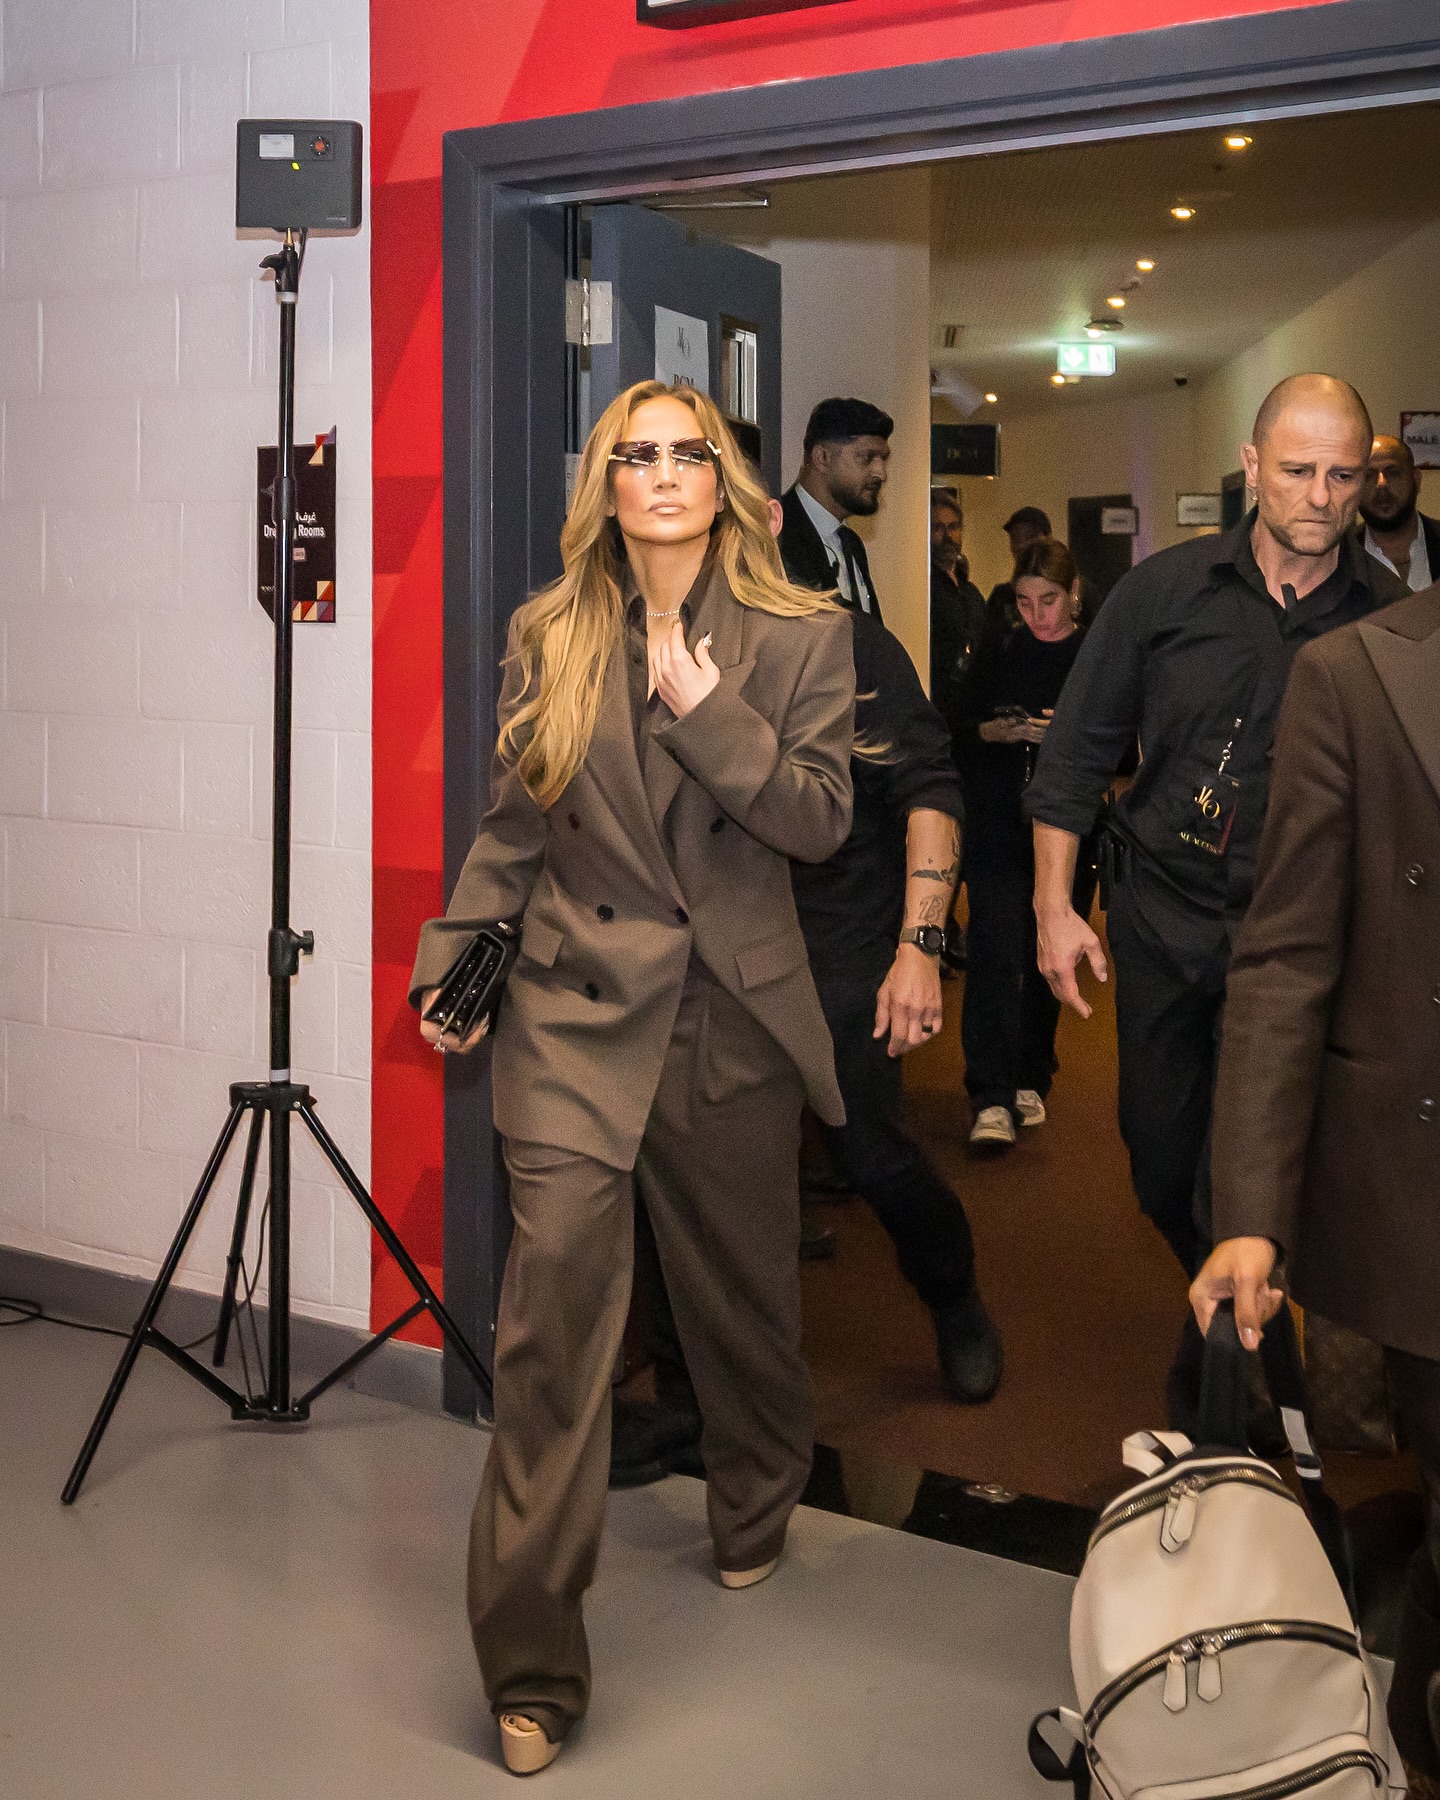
<point x="505" y="263"/>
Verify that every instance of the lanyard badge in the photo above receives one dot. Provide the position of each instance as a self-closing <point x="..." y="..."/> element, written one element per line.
<point x="1211" y="813"/>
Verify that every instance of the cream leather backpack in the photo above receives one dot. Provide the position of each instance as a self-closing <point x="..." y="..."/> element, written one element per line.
<point x="1212" y="1635"/>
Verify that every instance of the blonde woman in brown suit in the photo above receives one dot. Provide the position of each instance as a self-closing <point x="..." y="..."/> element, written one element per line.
<point x="675" y="724"/>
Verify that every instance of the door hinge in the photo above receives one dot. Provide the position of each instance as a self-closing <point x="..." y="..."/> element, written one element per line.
<point x="588" y="312"/>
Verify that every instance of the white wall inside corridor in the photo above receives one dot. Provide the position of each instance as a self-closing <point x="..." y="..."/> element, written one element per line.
<point x="855" y="256"/>
<point x="1071" y="446"/>
<point x="1378" y="330"/>
<point x="137" y="371"/>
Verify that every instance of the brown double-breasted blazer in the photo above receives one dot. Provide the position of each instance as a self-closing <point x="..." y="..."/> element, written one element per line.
<point x="1327" y="1109"/>
<point x="632" y="870"/>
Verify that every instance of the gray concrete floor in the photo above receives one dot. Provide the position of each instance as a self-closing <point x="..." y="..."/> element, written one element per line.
<point x="234" y="1611"/>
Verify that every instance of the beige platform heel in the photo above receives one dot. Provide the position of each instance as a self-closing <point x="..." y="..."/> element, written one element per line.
<point x="524" y="1745"/>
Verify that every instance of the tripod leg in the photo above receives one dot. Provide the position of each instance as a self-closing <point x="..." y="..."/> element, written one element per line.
<point x="408" y="1267"/>
<point x="152" y="1306"/>
<point x="237" y="1238"/>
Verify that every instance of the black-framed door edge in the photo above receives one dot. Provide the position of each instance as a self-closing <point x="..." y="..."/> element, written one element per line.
<point x="504" y="356"/>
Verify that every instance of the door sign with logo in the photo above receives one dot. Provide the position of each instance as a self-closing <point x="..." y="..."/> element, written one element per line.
<point x="314" y="602"/>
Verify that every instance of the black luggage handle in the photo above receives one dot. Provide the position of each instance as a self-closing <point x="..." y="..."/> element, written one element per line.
<point x="1045" y="1759"/>
<point x="1223" y="1389"/>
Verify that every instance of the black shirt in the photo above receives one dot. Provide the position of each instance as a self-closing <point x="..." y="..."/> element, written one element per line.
<point x="1017" y="670"/>
<point x="851" y="908"/>
<point x="1191" y="652"/>
<point x="957" y="630"/>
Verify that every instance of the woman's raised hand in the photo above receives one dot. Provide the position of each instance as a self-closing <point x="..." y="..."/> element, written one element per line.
<point x="682" y="680"/>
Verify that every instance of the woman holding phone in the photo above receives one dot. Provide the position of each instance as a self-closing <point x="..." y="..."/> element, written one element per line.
<point x="1007" y="1025"/>
<point x="675" y="724"/>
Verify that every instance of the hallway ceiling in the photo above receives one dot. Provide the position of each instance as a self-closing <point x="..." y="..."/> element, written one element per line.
<point x="1026" y="247"/>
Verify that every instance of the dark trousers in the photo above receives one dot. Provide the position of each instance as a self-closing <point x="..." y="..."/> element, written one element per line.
<point x="882" y="1162"/>
<point x="1007" y="1024"/>
<point x="1415" y="1390"/>
<point x="717" y="1172"/>
<point x="1168" y="1027"/>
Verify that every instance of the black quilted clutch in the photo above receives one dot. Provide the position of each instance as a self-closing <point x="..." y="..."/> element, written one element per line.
<point x="471" y="990"/>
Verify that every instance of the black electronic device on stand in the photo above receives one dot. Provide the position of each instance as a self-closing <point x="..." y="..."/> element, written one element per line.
<point x="291" y="176"/>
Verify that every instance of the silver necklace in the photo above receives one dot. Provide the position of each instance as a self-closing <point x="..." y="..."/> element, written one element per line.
<point x="674" y="612"/>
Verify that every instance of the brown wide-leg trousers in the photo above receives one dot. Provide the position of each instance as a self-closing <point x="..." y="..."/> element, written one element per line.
<point x="717" y="1172"/>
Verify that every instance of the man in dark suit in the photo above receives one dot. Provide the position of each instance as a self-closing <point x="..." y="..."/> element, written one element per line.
<point x="1397" y="533"/>
<point x="847" y="459"/>
<point x="1327" y="1103"/>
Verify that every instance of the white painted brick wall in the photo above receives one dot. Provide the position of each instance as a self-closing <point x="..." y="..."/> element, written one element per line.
<point x="138" y="351"/>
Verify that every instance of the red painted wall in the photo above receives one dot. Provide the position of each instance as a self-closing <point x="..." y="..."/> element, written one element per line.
<point x="455" y="63"/>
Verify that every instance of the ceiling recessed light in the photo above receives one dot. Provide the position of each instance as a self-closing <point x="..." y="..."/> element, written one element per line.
<point x="1117" y="301"/>
<point x="1182" y="212"/>
<point x="1237" y="140"/>
<point x="990" y="399"/>
<point x="1145" y="265"/>
<point x="1101" y="323"/>
<point x="1057" y="380"/>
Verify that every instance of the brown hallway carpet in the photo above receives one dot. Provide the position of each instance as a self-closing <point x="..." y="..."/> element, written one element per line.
<point x="1087" y="1297"/>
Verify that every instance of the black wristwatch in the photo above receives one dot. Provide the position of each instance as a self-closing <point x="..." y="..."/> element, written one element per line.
<point x="929" y="938"/>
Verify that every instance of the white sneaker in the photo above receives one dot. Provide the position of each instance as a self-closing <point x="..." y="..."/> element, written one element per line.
<point x="993" y="1125"/>
<point x="1030" y="1107"/>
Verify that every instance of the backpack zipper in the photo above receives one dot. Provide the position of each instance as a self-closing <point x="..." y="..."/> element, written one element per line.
<point x="1186" y="1485"/>
<point x="1211" y="1643"/>
<point x="1283" y="1785"/>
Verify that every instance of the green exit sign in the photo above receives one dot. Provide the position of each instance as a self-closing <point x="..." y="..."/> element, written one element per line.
<point x="1085" y="359"/>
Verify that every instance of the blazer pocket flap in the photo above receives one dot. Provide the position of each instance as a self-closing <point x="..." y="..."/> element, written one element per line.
<point x="541" y="942"/>
<point x="770" y="959"/>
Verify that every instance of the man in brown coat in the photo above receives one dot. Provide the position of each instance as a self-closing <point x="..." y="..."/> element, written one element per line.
<point x="1326" y="1153"/>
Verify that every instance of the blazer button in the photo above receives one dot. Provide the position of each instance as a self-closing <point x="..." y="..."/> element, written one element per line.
<point x="1415" y="874"/>
<point x="718" y="825"/>
<point x="682" y="915"/>
<point x="605" y="912"/>
<point x="574" y="821"/>
<point x="1427" y="1112"/>
<point x="592" y="992"/>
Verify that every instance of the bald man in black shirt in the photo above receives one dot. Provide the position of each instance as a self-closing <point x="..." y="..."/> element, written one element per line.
<point x="1192" y="652"/>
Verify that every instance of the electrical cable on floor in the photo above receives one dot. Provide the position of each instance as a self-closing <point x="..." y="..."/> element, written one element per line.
<point x="245" y="1309"/>
<point x="31" y="1312"/>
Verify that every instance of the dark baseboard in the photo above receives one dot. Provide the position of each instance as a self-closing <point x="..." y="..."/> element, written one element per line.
<point x="407" y="1373"/>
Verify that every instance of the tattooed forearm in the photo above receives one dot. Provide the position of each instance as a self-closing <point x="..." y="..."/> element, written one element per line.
<point x="932" y="912"/>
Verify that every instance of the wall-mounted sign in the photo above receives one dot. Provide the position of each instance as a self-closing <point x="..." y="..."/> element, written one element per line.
<point x="964" y="449"/>
<point x="679" y="13"/>
<point x="1085" y="359"/>
<point x="682" y="349"/>
<point x="1421" y="431"/>
<point x="1119" y="521"/>
<point x="314" y="602"/>
<point x="1197" y="509"/>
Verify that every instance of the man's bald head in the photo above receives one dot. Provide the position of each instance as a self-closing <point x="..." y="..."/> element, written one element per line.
<point x="1393" y="450"/>
<point x="1312" y="395"/>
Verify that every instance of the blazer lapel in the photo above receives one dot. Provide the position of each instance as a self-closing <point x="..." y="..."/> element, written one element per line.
<point x="615" y="766"/>
<point x="717" y="613"/>
<point x="1409" y="672"/>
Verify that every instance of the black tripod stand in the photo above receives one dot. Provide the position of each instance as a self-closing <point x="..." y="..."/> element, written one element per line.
<point x="278" y="1098"/>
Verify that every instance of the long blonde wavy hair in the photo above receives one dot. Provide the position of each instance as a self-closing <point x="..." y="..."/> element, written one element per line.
<point x="568" y="631"/>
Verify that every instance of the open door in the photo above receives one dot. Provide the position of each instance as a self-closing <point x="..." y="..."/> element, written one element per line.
<point x="683" y="307"/>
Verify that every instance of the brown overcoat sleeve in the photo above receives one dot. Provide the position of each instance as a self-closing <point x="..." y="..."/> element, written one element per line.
<point x="503" y="863"/>
<point x="1287" y="965"/>
<point x="790" y="790"/>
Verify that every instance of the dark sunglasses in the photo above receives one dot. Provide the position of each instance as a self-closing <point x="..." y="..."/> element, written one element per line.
<point x="689" y="453"/>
